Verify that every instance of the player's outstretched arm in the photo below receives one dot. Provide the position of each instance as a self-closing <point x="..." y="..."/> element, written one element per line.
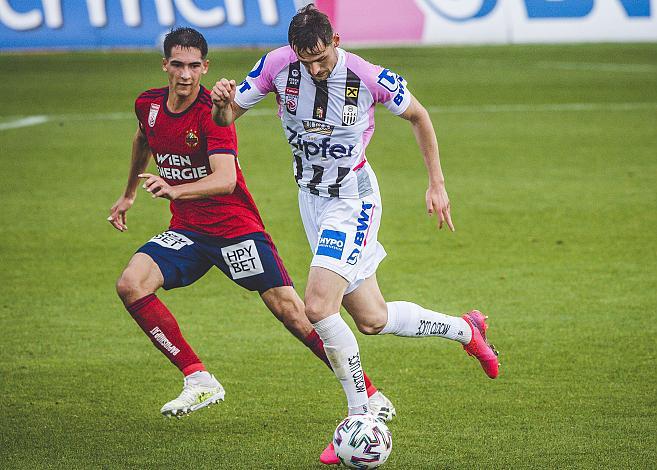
<point x="224" y="109"/>
<point x="436" y="196"/>
<point x="221" y="181"/>
<point x="138" y="164"/>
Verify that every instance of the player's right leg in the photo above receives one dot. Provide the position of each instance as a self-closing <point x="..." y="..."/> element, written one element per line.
<point x="155" y="266"/>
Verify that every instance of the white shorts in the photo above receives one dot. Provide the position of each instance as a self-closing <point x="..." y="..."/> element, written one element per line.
<point x="343" y="234"/>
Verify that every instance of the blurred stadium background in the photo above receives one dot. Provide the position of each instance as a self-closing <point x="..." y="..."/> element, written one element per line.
<point x="546" y="114"/>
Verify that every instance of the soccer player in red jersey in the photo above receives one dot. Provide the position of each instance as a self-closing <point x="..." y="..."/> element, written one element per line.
<point x="214" y="222"/>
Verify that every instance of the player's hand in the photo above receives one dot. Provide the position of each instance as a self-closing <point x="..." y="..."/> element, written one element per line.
<point x="223" y="92"/>
<point x="158" y="187"/>
<point x="438" y="203"/>
<point x="117" y="215"/>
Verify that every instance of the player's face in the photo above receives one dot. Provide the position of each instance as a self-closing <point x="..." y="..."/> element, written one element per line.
<point x="184" y="67"/>
<point x="320" y="61"/>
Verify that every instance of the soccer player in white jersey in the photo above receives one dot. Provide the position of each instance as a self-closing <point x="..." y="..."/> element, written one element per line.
<point x="326" y="100"/>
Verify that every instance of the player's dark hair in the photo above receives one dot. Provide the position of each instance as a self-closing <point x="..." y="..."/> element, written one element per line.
<point x="186" y="38"/>
<point x="308" y="27"/>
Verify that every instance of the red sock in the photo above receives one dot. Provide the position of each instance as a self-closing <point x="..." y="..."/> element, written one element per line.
<point x="162" y="329"/>
<point x="314" y="342"/>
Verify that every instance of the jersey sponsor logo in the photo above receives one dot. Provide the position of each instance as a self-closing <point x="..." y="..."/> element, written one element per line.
<point x="183" y="174"/>
<point x="188" y="172"/>
<point x="257" y="69"/>
<point x="292" y="91"/>
<point x="152" y="114"/>
<point x="317" y="127"/>
<point x="388" y="80"/>
<point x="319" y="113"/>
<point x="399" y="98"/>
<point x="291" y="102"/>
<point x="323" y="148"/>
<point x="191" y="139"/>
<point x="352" y="92"/>
<point x="349" y="114"/>
<point x="331" y="243"/>
<point x="171" y="240"/>
<point x="242" y="259"/>
<point x="244" y="86"/>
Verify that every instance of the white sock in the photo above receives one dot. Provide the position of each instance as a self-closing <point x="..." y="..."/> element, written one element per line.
<point x="342" y="351"/>
<point x="409" y="319"/>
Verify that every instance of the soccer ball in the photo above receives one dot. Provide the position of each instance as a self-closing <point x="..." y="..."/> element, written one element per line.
<point x="362" y="441"/>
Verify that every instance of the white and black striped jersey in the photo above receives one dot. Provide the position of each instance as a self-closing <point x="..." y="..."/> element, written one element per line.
<point x="328" y="124"/>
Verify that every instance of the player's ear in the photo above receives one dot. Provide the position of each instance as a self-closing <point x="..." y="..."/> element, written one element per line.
<point x="206" y="65"/>
<point x="336" y="39"/>
<point x="164" y="64"/>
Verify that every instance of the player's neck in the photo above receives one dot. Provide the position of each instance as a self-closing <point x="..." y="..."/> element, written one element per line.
<point x="178" y="104"/>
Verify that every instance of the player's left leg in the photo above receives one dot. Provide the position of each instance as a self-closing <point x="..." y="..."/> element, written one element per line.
<point x="374" y="316"/>
<point x="289" y="309"/>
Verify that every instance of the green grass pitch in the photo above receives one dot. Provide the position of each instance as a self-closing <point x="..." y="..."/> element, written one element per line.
<point x="550" y="155"/>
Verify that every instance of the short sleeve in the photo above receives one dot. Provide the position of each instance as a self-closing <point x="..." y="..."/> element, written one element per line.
<point x="220" y="139"/>
<point x="255" y="86"/>
<point x="385" y="86"/>
<point x="138" y="114"/>
<point x="260" y="80"/>
<point x="392" y="91"/>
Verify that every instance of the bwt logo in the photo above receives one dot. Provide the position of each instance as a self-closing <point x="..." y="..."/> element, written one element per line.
<point x="52" y="13"/>
<point x="467" y="10"/>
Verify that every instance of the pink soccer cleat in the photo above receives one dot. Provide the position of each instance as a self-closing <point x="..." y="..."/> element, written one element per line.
<point x="479" y="346"/>
<point x="328" y="457"/>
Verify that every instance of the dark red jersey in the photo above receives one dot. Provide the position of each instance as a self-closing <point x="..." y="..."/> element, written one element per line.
<point x="181" y="144"/>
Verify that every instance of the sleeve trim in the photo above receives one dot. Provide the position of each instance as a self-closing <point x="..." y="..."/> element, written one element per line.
<point x="232" y="152"/>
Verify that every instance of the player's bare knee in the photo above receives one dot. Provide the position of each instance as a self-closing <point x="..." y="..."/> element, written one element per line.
<point x="371" y="326"/>
<point x="129" y="288"/>
<point x="291" y="311"/>
<point x="315" y="309"/>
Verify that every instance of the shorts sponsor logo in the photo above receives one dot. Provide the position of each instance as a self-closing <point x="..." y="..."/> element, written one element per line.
<point x="171" y="240"/>
<point x="317" y="127"/>
<point x="349" y="114"/>
<point x="152" y="115"/>
<point x="363" y="224"/>
<point x="353" y="257"/>
<point x="331" y="244"/>
<point x="242" y="259"/>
